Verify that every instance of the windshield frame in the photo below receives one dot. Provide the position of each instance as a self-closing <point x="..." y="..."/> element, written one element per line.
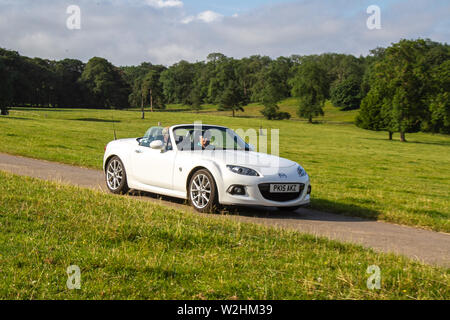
<point x="244" y="146"/>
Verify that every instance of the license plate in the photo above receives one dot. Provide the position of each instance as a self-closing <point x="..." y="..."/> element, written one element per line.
<point x="284" y="188"/>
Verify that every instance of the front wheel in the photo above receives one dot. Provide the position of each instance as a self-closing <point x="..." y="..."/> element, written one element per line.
<point x="116" y="177"/>
<point x="203" y="192"/>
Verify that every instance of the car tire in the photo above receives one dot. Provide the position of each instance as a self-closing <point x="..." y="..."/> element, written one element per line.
<point x="202" y="192"/>
<point x="116" y="176"/>
<point x="289" y="209"/>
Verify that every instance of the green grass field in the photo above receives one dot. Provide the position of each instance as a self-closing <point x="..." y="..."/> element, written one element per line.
<point x="353" y="171"/>
<point x="332" y="114"/>
<point x="130" y="249"/>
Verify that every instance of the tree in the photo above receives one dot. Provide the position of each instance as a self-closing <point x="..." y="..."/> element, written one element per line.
<point x="196" y="99"/>
<point x="225" y="70"/>
<point x="346" y="94"/>
<point x="271" y="112"/>
<point x="232" y="98"/>
<point x="272" y="93"/>
<point x="438" y="119"/>
<point x="275" y="73"/>
<point x="68" y="91"/>
<point x="375" y="112"/>
<point x="177" y="82"/>
<point x="153" y="90"/>
<point x="6" y="88"/>
<point x="310" y="85"/>
<point x="400" y="87"/>
<point x="105" y="84"/>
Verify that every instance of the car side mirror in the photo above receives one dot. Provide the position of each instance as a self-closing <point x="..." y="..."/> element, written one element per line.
<point x="157" y="144"/>
<point x="251" y="147"/>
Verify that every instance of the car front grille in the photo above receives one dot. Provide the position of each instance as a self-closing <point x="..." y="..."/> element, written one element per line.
<point x="264" y="188"/>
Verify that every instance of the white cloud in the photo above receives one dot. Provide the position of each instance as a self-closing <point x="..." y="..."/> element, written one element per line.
<point x="209" y="16"/>
<point x="164" y="3"/>
<point x="129" y="32"/>
<point x="205" y="16"/>
<point x="188" y="19"/>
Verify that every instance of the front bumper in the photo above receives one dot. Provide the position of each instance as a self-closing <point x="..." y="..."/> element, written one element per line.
<point x="253" y="194"/>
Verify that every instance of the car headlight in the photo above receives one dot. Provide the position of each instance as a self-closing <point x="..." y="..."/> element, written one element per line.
<point x="301" y="172"/>
<point x="243" y="170"/>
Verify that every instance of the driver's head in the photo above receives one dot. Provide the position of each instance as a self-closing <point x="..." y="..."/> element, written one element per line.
<point x="204" y="141"/>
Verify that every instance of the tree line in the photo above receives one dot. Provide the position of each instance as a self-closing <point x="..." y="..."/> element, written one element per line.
<point x="402" y="88"/>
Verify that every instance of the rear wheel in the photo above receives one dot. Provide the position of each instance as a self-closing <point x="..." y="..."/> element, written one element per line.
<point x="116" y="177"/>
<point x="203" y="192"/>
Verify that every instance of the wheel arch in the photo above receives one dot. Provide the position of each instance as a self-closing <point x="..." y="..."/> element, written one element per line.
<point x="108" y="159"/>
<point x="191" y="173"/>
<point x="213" y="170"/>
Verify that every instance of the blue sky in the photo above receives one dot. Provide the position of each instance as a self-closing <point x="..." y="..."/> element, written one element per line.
<point x="129" y="32"/>
<point x="227" y="7"/>
<point x="230" y="7"/>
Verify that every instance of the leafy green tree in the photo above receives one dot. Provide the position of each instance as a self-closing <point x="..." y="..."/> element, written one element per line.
<point x="6" y="88"/>
<point x="311" y="86"/>
<point x="225" y="72"/>
<point x="375" y="112"/>
<point x="438" y="119"/>
<point x="215" y="57"/>
<point x="153" y="91"/>
<point x="232" y="98"/>
<point x="134" y="75"/>
<point x="68" y="89"/>
<point x="346" y="94"/>
<point x="276" y="74"/>
<point x="272" y="93"/>
<point x="401" y="81"/>
<point x="271" y="112"/>
<point x="105" y="84"/>
<point x="249" y="74"/>
<point x="196" y="99"/>
<point x="178" y="81"/>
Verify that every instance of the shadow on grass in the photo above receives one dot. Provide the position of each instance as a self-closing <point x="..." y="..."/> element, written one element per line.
<point x="171" y="110"/>
<point x="319" y="210"/>
<point x="96" y="120"/>
<point x="15" y="118"/>
<point x="24" y="109"/>
<point x="443" y="143"/>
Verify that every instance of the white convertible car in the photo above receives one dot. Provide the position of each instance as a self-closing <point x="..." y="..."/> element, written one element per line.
<point x="208" y="165"/>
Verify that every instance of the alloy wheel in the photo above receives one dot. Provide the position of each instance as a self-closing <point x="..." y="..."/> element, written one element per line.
<point x="200" y="191"/>
<point x="114" y="174"/>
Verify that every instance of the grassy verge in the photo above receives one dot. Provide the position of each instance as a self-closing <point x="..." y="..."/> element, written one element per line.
<point x="128" y="249"/>
<point x="353" y="171"/>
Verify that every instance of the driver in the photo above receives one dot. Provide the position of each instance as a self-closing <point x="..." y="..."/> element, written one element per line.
<point x="204" y="142"/>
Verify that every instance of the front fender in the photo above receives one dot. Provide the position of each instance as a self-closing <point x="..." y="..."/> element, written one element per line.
<point x="213" y="168"/>
<point x="119" y="151"/>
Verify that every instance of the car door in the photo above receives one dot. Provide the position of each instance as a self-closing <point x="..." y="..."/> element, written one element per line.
<point x="153" y="167"/>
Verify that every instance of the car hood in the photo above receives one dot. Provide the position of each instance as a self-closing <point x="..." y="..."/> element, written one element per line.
<point x="246" y="158"/>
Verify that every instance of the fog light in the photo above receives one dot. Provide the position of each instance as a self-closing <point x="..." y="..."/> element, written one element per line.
<point x="309" y="189"/>
<point x="237" y="190"/>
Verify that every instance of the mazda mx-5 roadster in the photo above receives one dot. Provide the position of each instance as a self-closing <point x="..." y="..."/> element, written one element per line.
<point x="207" y="165"/>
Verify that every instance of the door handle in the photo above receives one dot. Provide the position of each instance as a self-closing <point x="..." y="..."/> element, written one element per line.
<point x="138" y="151"/>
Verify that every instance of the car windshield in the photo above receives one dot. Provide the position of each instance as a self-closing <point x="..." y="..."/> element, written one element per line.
<point x="154" y="134"/>
<point x="194" y="137"/>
